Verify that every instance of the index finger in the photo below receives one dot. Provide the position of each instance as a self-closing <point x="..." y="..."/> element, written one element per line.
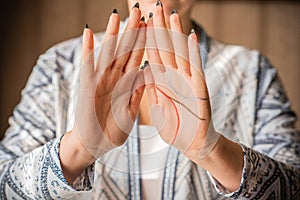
<point x="107" y="53"/>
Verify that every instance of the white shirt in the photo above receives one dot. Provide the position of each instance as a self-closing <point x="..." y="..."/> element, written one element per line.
<point x="153" y="156"/>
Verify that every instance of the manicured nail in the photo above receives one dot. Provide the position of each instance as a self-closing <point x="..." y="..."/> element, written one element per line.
<point x="174" y="11"/>
<point x="158" y="3"/>
<point x="143" y="19"/>
<point x="146" y="64"/>
<point x="115" y="11"/>
<point x="193" y="31"/>
<point x="136" y="5"/>
<point x="150" y="15"/>
<point x="86" y="26"/>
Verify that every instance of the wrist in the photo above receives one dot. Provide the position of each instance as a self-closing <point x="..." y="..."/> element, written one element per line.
<point x="224" y="162"/>
<point x="74" y="158"/>
<point x="210" y="141"/>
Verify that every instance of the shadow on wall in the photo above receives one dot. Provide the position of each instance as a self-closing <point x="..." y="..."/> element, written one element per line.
<point x="30" y="27"/>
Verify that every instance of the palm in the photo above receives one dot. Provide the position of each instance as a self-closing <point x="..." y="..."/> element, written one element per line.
<point x="106" y="107"/>
<point x="180" y="113"/>
<point x="175" y="84"/>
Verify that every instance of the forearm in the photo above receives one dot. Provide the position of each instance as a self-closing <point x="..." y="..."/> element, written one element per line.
<point x="74" y="157"/>
<point x="243" y="172"/>
<point x="32" y="175"/>
<point x="225" y="163"/>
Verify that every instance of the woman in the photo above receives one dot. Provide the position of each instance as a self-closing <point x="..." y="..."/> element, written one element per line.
<point x="111" y="150"/>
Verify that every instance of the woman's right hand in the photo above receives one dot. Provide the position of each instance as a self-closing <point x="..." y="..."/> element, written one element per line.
<point x="109" y="94"/>
<point x="110" y="88"/>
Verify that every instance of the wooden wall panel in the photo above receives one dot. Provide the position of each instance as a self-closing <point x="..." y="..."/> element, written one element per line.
<point x="59" y="20"/>
<point x="97" y="12"/>
<point x="272" y="27"/>
<point x="206" y="13"/>
<point x="282" y="45"/>
<point x="240" y="23"/>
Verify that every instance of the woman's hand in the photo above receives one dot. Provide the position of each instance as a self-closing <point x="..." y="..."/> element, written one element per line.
<point x="109" y="94"/>
<point x="176" y="87"/>
<point x="177" y="93"/>
<point x="111" y="88"/>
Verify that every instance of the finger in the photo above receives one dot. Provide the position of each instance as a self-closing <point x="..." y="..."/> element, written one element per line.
<point x="113" y="25"/>
<point x="163" y="40"/>
<point x="197" y="74"/>
<point x="151" y="47"/>
<point x="194" y="55"/>
<point x="137" y="54"/>
<point x="107" y="53"/>
<point x="87" y="53"/>
<point x="138" y="91"/>
<point x="150" y="85"/>
<point x="127" y="40"/>
<point x="180" y="43"/>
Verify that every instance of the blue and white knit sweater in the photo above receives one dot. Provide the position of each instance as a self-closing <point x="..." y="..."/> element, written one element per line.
<point x="254" y="111"/>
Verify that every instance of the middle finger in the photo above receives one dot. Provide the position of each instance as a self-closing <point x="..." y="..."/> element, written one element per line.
<point x="163" y="40"/>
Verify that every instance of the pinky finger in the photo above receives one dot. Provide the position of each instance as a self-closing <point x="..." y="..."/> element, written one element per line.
<point x="87" y="53"/>
<point x="194" y="54"/>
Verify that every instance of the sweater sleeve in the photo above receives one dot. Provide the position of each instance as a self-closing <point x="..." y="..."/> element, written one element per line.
<point x="272" y="166"/>
<point x="29" y="160"/>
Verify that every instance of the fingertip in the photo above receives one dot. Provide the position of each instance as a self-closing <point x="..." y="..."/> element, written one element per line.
<point x="174" y="11"/>
<point x="159" y="12"/>
<point x="87" y="52"/>
<point x="150" y="22"/>
<point x="114" y="19"/>
<point x="147" y="75"/>
<point x="136" y="5"/>
<point x="135" y="10"/>
<point x="150" y="15"/>
<point x="113" y="25"/>
<point x="146" y="64"/>
<point x="142" y="24"/>
<point x="193" y="35"/>
<point x="175" y="23"/>
<point x="88" y="38"/>
<point x="135" y="16"/>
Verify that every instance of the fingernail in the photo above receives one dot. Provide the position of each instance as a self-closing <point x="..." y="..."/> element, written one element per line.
<point x="174" y="11"/>
<point x="143" y="19"/>
<point x="193" y="30"/>
<point x="115" y="11"/>
<point x="136" y="5"/>
<point x="150" y="15"/>
<point x="146" y="64"/>
<point x="86" y="26"/>
<point x="158" y="3"/>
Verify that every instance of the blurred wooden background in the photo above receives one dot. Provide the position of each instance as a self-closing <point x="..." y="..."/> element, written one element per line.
<point x="30" y="27"/>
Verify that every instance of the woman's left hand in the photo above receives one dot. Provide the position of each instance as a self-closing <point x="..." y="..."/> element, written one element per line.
<point x="176" y="88"/>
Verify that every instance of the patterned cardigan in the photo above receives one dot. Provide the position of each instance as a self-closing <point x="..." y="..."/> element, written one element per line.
<point x="249" y="106"/>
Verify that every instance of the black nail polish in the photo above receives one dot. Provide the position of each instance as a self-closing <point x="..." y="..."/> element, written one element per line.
<point x="150" y="15"/>
<point x="146" y="64"/>
<point x="136" y="5"/>
<point x="143" y="19"/>
<point x="174" y="11"/>
<point x="158" y="3"/>
<point x="193" y="31"/>
<point x="115" y="11"/>
<point x="86" y="26"/>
